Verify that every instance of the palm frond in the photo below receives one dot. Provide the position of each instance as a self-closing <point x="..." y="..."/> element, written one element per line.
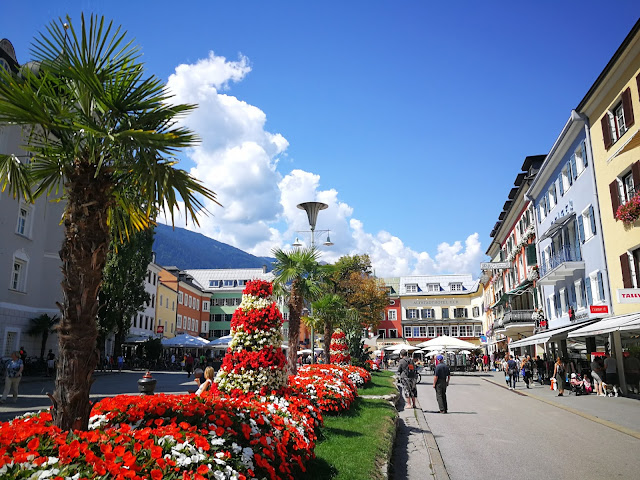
<point x="16" y="176"/>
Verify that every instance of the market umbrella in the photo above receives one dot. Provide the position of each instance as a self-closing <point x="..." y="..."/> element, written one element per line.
<point x="185" y="340"/>
<point x="221" y="343"/>
<point x="445" y="342"/>
<point x="465" y="352"/>
<point x="408" y="348"/>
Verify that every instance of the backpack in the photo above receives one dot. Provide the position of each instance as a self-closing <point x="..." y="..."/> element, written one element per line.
<point x="411" y="369"/>
<point x="560" y="369"/>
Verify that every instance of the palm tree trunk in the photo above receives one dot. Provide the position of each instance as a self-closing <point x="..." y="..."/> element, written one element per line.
<point x="328" y="332"/>
<point x="295" y="313"/>
<point x="83" y="255"/>
<point x="43" y="344"/>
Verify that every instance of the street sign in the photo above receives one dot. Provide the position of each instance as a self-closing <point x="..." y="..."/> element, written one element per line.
<point x="494" y="265"/>
<point x="160" y="329"/>
<point x="599" y="309"/>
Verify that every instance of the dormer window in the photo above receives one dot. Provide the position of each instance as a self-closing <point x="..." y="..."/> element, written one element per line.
<point x="433" y="287"/>
<point x="242" y="283"/>
<point x="455" y="287"/>
<point x="214" y="283"/>
<point x="412" y="288"/>
<point x="228" y="283"/>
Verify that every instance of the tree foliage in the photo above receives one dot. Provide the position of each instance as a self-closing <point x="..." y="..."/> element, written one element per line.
<point x="122" y="293"/>
<point x="97" y="129"/>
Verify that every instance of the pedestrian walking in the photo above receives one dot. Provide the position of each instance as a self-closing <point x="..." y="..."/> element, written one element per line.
<point x="597" y="372"/>
<point x="527" y="370"/>
<point x="560" y="374"/>
<point x="51" y="362"/>
<point x="189" y="365"/>
<point x="15" y="366"/>
<point x="408" y="378"/>
<point x="441" y="378"/>
<point x="611" y="370"/>
<point x="511" y="370"/>
<point x="632" y="372"/>
<point x="120" y="363"/>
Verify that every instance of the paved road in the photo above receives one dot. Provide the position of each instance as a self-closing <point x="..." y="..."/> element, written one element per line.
<point x="491" y="432"/>
<point x="33" y="391"/>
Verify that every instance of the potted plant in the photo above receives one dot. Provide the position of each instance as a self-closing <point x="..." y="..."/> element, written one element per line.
<point x="630" y="211"/>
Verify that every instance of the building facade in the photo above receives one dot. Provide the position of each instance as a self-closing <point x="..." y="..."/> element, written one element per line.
<point x="30" y="239"/>
<point x="573" y="281"/>
<point x="390" y="326"/>
<point x="435" y="305"/>
<point x="513" y="270"/>
<point x="610" y="106"/>
<point x="190" y="316"/>
<point x="143" y="323"/>
<point x="166" y="306"/>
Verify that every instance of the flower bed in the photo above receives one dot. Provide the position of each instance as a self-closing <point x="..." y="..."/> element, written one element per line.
<point x="338" y="349"/>
<point x="167" y="437"/>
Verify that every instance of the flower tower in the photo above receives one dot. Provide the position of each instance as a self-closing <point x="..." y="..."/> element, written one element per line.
<point x="338" y="349"/>
<point x="254" y="362"/>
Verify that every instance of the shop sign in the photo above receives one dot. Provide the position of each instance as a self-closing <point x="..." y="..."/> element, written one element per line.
<point x="495" y="265"/>
<point x="160" y="329"/>
<point x="629" y="295"/>
<point x="599" y="309"/>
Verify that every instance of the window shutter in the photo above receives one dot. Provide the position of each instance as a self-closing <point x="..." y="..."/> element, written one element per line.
<point x="548" y="308"/>
<point x="558" y="305"/>
<point x="583" y="292"/>
<point x="433" y="313"/>
<point x="626" y="271"/>
<point x="584" y="154"/>
<point x="570" y="169"/>
<point x="572" y="296"/>
<point x="600" y="286"/>
<point x="592" y="217"/>
<point x="615" y="196"/>
<point x="587" y="284"/>
<point x="560" y="184"/>
<point x="635" y="174"/>
<point x="531" y="254"/>
<point x="627" y="106"/>
<point x="606" y="131"/>
<point x="466" y="313"/>
<point x="638" y="82"/>
<point x="574" y="169"/>
<point x="581" y="228"/>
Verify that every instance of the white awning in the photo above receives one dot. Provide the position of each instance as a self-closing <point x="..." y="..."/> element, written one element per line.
<point x="543" y="337"/>
<point x="608" y="325"/>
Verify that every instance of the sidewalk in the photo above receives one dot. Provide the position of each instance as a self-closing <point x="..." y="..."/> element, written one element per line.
<point x="620" y="413"/>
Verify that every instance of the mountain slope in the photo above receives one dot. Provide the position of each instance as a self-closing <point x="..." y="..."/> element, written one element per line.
<point x="186" y="249"/>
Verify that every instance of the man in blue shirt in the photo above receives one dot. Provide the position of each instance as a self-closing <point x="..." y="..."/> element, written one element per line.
<point x="441" y="379"/>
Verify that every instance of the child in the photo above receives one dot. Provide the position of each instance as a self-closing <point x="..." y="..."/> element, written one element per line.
<point x="206" y="385"/>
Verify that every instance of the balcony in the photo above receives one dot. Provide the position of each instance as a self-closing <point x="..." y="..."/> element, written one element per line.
<point x="561" y="265"/>
<point x="515" y="322"/>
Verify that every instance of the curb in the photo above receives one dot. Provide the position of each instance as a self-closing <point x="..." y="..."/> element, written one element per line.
<point x="593" y="418"/>
<point x="438" y="469"/>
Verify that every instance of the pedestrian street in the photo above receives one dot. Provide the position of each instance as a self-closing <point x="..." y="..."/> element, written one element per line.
<point x="492" y="432"/>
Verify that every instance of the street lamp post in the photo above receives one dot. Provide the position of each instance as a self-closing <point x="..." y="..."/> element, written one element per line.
<point x="312" y="209"/>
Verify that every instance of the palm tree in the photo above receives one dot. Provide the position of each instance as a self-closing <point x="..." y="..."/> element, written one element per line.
<point x="328" y="310"/>
<point x="298" y="279"/>
<point x="103" y="139"/>
<point x="43" y="325"/>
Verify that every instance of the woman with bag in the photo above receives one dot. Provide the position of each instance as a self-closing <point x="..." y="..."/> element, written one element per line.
<point x="527" y="370"/>
<point x="511" y="369"/>
<point x="408" y="378"/>
<point x="559" y="373"/>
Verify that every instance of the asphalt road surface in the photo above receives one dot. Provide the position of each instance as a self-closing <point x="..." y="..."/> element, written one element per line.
<point x="491" y="432"/>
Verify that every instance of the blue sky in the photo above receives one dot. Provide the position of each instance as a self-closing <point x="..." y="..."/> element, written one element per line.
<point x="410" y="119"/>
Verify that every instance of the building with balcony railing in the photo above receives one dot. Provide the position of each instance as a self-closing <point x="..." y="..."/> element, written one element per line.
<point x="573" y="270"/>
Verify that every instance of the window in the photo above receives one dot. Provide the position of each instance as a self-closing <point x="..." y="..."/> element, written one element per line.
<point x="228" y="283"/>
<point x="628" y="188"/>
<point x="160" y="302"/>
<point x="431" y="331"/>
<point x="596" y="282"/>
<point x="154" y="278"/>
<point x="179" y="321"/>
<point x="553" y="199"/>
<point x="411" y="288"/>
<point x="630" y="263"/>
<point x="580" y="294"/>
<point x="180" y="297"/>
<point x="476" y="311"/>
<point x="285" y="316"/>
<point x="617" y="121"/>
<point x="382" y="333"/>
<point x="564" y="300"/>
<point x="393" y="333"/>
<point x="460" y="313"/>
<point x="242" y="283"/>
<point x="173" y="306"/>
<point x="581" y="158"/>
<point x="412" y="313"/>
<point x="153" y="301"/>
<point x="477" y="330"/>
<point x="455" y="287"/>
<point x="428" y="313"/>
<point x="18" y="280"/>
<point x="23" y="227"/>
<point x="445" y="312"/>
<point x="214" y="283"/>
<point x="423" y="331"/>
<point x="454" y="330"/>
<point x="391" y="315"/>
<point x="433" y="287"/>
<point x="439" y="331"/>
<point x="587" y="224"/>
<point x="407" y="332"/>
<point x="205" y="306"/>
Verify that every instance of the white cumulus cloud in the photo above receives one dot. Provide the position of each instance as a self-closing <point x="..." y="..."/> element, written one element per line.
<point x="238" y="159"/>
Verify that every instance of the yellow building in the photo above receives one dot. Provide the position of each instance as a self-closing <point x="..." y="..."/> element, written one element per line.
<point x="167" y="303"/>
<point x="611" y="106"/>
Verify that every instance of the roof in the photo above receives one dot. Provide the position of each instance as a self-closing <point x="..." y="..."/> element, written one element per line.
<point x="468" y="283"/>
<point x="204" y="275"/>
